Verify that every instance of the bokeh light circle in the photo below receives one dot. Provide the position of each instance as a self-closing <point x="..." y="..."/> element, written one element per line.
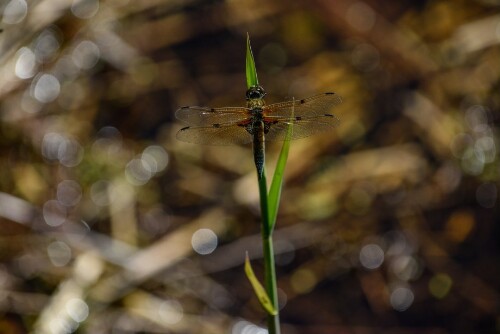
<point x="371" y="256"/>
<point x="204" y="241"/>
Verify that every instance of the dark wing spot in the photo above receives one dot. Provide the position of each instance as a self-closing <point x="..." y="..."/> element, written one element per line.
<point x="216" y="125"/>
<point x="329" y="93"/>
<point x="245" y="122"/>
<point x="187" y="127"/>
<point x="328" y="115"/>
<point x="298" y="118"/>
<point x="302" y="101"/>
<point x="212" y="110"/>
<point x="184" y="107"/>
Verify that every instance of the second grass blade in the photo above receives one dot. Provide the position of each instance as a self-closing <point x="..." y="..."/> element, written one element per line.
<point x="279" y="174"/>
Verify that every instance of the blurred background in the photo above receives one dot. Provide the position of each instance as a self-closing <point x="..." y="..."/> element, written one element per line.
<point x="108" y="224"/>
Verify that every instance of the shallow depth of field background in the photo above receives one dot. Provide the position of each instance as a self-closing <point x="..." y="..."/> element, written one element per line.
<point x="110" y="225"/>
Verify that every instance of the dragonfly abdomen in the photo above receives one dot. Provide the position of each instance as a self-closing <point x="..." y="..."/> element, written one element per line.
<point x="259" y="146"/>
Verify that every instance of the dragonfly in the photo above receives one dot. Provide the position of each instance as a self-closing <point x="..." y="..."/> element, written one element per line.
<point x="257" y="122"/>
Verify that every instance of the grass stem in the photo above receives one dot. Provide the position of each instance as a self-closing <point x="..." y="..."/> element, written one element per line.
<point x="273" y="321"/>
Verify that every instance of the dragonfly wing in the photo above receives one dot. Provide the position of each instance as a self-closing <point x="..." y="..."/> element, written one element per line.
<point x="301" y="127"/>
<point x="225" y="134"/>
<point x="312" y="106"/>
<point x="204" y="116"/>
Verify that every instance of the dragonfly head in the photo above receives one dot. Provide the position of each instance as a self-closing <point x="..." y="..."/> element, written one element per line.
<point x="255" y="93"/>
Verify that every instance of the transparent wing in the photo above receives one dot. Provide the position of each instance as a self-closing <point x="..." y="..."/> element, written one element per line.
<point x="219" y="126"/>
<point x="225" y="134"/>
<point x="204" y="116"/>
<point x="302" y="126"/>
<point x="312" y="106"/>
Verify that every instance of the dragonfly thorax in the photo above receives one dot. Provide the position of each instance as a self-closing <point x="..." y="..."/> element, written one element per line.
<point x="256" y="105"/>
<point x="255" y="122"/>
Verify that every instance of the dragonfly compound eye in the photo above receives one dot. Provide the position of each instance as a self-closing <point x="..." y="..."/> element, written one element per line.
<point x="255" y="92"/>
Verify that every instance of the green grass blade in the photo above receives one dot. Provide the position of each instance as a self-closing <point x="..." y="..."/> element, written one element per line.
<point x="277" y="182"/>
<point x="251" y="72"/>
<point x="261" y="293"/>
